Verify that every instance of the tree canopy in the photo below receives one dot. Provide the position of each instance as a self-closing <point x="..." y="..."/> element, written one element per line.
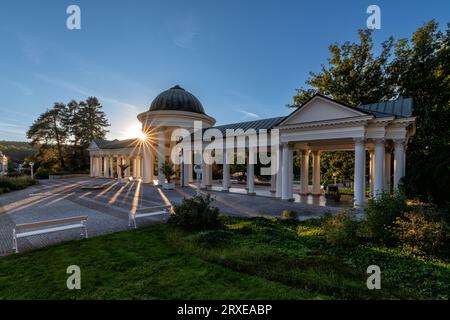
<point x="417" y="68"/>
<point x="63" y="133"/>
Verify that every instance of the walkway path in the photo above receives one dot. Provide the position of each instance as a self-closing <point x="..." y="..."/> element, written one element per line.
<point x="108" y="208"/>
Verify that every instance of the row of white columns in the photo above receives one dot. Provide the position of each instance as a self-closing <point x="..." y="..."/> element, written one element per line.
<point x="102" y="166"/>
<point x="282" y="181"/>
<point x="379" y="168"/>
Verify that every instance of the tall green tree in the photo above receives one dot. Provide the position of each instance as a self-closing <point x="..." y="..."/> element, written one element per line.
<point x="417" y="68"/>
<point x="92" y="120"/>
<point x="353" y="75"/>
<point x="67" y="130"/>
<point x="48" y="130"/>
<point x="421" y="70"/>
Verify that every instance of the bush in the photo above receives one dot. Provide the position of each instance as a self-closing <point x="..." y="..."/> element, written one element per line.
<point x="214" y="238"/>
<point x="342" y="229"/>
<point x="196" y="214"/>
<point x="421" y="232"/>
<point x="17" y="183"/>
<point x="289" y="215"/>
<point x="381" y="213"/>
<point x="43" y="173"/>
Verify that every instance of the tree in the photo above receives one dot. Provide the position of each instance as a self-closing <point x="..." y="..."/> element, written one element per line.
<point x="48" y="130"/>
<point x="92" y="120"/>
<point x="68" y="129"/>
<point x="420" y="69"/>
<point x="353" y="74"/>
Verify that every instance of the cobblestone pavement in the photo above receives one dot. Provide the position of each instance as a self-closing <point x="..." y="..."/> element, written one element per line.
<point x="107" y="209"/>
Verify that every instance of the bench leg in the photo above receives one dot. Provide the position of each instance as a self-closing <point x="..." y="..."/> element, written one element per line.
<point x="15" y="248"/>
<point x="86" y="232"/>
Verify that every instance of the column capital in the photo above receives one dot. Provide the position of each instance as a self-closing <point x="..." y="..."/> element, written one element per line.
<point x="359" y="140"/>
<point x="399" y="142"/>
<point x="305" y="152"/>
<point x="379" y="140"/>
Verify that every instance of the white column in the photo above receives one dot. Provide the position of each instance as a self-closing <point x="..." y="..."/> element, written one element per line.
<point x="387" y="170"/>
<point x="399" y="162"/>
<point x="251" y="172"/>
<point x="161" y="154"/>
<point x="134" y="167"/>
<point x="316" y="172"/>
<point x="290" y="174"/>
<point x="91" y="168"/>
<point x="111" y="166"/>
<point x="147" y="164"/>
<point x="119" y="170"/>
<point x="273" y="181"/>
<point x="304" y="172"/>
<point x="378" y="184"/>
<point x="97" y="166"/>
<point x="371" y="172"/>
<point x="360" y="173"/>
<point x="127" y="170"/>
<point x="106" y="167"/>
<point x="204" y="177"/>
<point x="138" y="166"/>
<point x="209" y="175"/>
<point x="279" y="182"/>
<point x="285" y="172"/>
<point x="226" y="171"/>
<point x="190" y="171"/>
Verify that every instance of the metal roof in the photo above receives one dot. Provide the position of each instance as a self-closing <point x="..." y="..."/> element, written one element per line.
<point x="256" y="124"/>
<point x="402" y="107"/>
<point x="116" y="144"/>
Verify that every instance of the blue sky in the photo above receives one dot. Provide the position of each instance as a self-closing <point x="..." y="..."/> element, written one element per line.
<point x="242" y="58"/>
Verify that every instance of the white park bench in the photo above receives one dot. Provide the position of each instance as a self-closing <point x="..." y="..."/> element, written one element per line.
<point x="147" y="212"/>
<point x="42" y="227"/>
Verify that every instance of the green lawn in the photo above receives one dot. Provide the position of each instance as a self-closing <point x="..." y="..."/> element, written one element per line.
<point x="253" y="259"/>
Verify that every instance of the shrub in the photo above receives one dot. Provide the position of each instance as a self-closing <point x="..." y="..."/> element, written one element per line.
<point x="381" y="213"/>
<point x="196" y="214"/>
<point x="289" y="215"/>
<point x="420" y="231"/>
<point x="43" y="173"/>
<point x="16" y="183"/>
<point x="214" y="238"/>
<point x="342" y="229"/>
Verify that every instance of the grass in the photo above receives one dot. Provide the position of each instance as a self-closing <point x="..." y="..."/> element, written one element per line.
<point x="252" y="259"/>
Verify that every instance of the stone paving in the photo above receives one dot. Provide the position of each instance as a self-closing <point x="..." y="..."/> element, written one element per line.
<point x="107" y="209"/>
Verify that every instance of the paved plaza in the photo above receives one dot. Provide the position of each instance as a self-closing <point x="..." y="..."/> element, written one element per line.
<point x="108" y="208"/>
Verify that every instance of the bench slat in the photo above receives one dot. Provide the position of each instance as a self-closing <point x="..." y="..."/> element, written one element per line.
<point x="151" y="209"/>
<point x="149" y="214"/>
<point x="43" y="231"/>
<point x="39" y="224"/>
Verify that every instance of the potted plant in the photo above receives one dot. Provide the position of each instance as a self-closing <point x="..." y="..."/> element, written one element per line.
<point x="168" y="171"/>
<point x="123" y="167"/>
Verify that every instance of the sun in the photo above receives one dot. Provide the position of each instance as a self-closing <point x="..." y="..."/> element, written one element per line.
<point x="135" y="131"/>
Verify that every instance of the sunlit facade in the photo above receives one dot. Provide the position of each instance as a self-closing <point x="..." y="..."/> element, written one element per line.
<point x="378" y="131"/>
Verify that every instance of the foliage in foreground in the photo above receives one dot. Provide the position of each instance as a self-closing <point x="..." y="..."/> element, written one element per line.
<point x="418" y="229"/>
<point x="251" y="258"/>
<point x="196" y="214"/>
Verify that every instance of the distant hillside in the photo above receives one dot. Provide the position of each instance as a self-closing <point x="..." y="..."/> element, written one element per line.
<point x="16" y="150"/>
